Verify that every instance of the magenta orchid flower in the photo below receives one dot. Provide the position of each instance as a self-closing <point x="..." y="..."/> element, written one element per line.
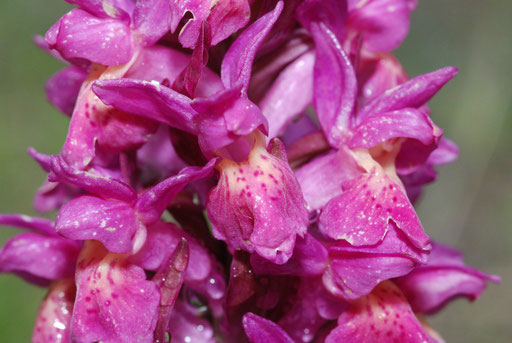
<point x="246" y="206"/>
<point x="238" y="171"/>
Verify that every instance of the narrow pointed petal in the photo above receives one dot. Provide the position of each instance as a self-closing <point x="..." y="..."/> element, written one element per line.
<point x="111" y="222"/>
<point x="382" y="316"/>
<point x="104" y="186"/>
<point x="54" y="316"/>
<point x="413" y="93"/>
<point x="335" y="85"/>
<point x="81" y="35"/>
<point x="261" y="330"/>
<point x="443" y="278"/>
<point x="289" y="95"/>
<point x="446" y="152"/>
<point x="361" y="214"/>
<point x="114" y="301"/>
<point x="44" y="160"/>
<point x="39" y="225"/>
<point x="49" y="258"/>
<point x="63" y="87"/>
<point x="152" y="203"/>
<point x="148" y="99"/>
<point x="237" y="63"/>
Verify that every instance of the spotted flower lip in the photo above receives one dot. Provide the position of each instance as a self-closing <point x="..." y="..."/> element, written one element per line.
<point x="114" y="300"/>
<point x="375" y="318"/>
<point x="248" y="208"/>
<point x="238" y="171"/>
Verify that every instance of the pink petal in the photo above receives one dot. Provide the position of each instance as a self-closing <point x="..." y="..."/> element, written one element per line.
<point x="227" y="17"/>
<point x="111" y="222"/>
<point x="199" y="10"/>
<point x="114" y="301"/>
<point x="187" y="324"/>
<point x="152" y="203"/>
<point x="261" y="330"/>
<point x="405" y="123"/>
<point x="50" y="196"/>
<point x="383" y="24"/>
<point x="116" y="9"/>
<point x="54" y="317"/>
<point x="44" y="257"/>
<point x="331" y="13"/>
<point x="382" y="316"/>
<point x="361" y="214"/>
<point x="63" y="87"/>
<point x="148" y="99"/>
<point x="237" y="63"/>
<point x="354" y="271"/>
<point x="423" y="136"/>
<point x="202" y="273"/>
<point x="80" y="35"/>
<point x="446" y="152"/>
<point x="413" y="93"/>
<point x="335" y="85"/>
<point x="312" y="307"/>
<point x="377" y="75"/>
<point x="309" y="259"/>
<point x="151" y="20"/>
<point x="39" y="225"/>
<point x="258" y="205"/>
<point x="289" y="95"/>
<point x="106" y="187"/>
<point x="225" y="118"/>
<point x="445" y="277"/>
<point x="321" y="179"/>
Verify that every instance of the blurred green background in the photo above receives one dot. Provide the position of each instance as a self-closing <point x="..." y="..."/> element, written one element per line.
<point x="469" y="207"/>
